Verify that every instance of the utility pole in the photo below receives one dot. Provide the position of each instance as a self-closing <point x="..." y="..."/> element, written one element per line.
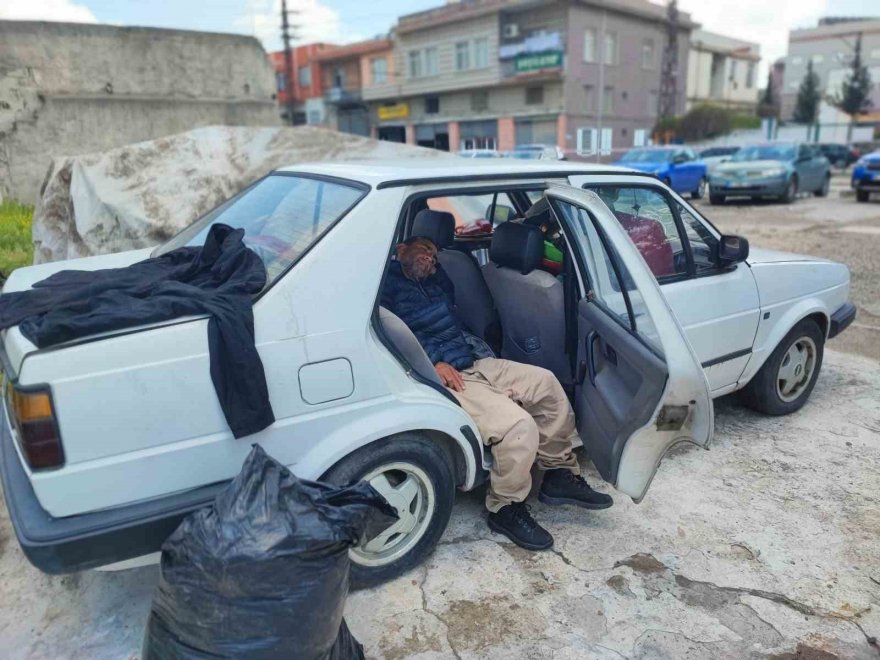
<point x="669" y="69"/>
<point x="286" y="36"/>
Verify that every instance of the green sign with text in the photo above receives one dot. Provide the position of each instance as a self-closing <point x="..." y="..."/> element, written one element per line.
<point x="526" y="62"/>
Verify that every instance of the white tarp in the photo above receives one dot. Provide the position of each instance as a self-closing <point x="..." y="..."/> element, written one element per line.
<point x="141" y="194"/>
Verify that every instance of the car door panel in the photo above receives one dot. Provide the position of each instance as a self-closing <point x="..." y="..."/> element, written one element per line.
<point x="640" y="388"/>
<point x="617" y="395"/>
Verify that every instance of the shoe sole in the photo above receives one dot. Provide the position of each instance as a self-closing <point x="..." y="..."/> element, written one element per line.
<point x="522" y="544"/>
<point x="557" y="501"/>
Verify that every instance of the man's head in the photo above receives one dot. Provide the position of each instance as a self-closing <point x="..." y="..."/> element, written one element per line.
<point x="418" y="257"/>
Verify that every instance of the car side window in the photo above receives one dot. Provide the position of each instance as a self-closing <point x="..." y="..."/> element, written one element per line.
<point x="704" y="245"/>
<point x="647" y="217"/>
<point x="472" y="212"/>
<point x="803" y="151"/>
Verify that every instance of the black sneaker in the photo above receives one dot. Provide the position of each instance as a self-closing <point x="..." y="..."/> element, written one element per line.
<point x="516" y="523"/>
<point x="564" y="487"/>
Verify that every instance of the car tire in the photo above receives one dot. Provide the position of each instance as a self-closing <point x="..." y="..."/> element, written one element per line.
<point x="406" y="458"/>
<point x="826" y="185"/>
<point x="716" y="199"/>
<point x="700" y="191"/>
<point x="862" y="195"/>
<point x="791" y="191"/>
<point x="784" y="383"/>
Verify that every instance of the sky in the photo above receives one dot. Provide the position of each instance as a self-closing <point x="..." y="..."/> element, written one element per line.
<point x="340" y="21"/>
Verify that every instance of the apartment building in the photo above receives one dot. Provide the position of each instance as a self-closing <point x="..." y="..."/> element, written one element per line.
<point x="497" y="73"/>
<point x="722" y="71"/>
<point x="304" y="89"/>
<point x="830" y="48"/>
<point x="347" y="72"/>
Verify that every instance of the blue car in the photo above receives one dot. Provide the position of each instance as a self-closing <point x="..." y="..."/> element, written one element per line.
<point x="678" y="167"/>
<point x="866" y="176"/>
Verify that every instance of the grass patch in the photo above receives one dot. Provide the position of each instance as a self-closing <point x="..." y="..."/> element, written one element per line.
<point x="16" y="243"/>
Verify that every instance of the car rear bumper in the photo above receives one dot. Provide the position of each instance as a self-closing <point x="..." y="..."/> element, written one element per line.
<point x="75" y="543"/>
<point x="841" y="319"/>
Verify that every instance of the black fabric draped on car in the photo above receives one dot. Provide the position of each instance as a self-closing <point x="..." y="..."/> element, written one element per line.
<point x="219" y="278"/>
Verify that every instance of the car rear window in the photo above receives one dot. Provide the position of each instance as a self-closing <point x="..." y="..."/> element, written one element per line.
<point x="282" y="216"/>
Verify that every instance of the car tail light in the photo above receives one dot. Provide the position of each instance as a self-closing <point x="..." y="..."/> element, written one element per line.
<point x="33" y="415"/>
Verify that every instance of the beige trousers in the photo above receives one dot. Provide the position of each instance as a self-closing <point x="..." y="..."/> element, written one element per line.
<point x="522" y="413"/>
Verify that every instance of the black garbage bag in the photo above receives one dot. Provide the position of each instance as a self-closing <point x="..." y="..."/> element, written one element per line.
<point x="263" y="572"/>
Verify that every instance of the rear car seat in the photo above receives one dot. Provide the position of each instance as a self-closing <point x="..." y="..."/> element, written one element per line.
<point x="473" y="301"/>
<point x="531" y="302"/>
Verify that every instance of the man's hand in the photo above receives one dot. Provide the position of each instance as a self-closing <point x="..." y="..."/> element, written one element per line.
<point x="450" y="376"/>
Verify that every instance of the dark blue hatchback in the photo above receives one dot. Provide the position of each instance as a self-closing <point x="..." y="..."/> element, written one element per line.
<point x="866" y="176"/>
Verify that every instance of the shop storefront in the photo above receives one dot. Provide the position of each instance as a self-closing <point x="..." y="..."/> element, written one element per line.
<point x="433" y="136"/>
<point x="540" y="130"/>
<point x="478" y="134"/>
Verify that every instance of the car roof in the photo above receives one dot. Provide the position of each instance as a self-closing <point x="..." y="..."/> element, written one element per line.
<point x="377" y="172"/>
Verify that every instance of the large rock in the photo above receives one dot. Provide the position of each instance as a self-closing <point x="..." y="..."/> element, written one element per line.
<point x="142" y="194"/>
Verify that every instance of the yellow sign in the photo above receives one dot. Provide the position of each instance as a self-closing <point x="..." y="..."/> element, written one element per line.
<point x="396" y="111"/>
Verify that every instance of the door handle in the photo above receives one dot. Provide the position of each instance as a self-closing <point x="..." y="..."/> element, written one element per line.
<point x="591" y="362"/>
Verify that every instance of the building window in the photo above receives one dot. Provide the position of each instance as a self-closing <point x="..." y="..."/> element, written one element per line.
<point x="305" y="76"/>
<point x="432" y="105"/>
<point x="462" y="56"/>
<point x="280" y="81"/>
<point x="589" y="98"/>
<point x="750" y="75"/>
<point x="379" y="70"/>
<point x="875" y="54"/>
<point x="534" y="95"/>
<point x="818" y="59"/>
<point x="605" y="139"/>
<point x="589" y="45"/>
<point x="431" y="64"/>
<point x="608" y="101"/>
<point x="415" y="64"/>
<point x="733" y="64"/>
<point x="796" y="59"/>
<point x="338" y="77"/>
<point x="481" y="53"/>
<point x="648" y="54"/>
<point x="480" y="101"/>
<point x="610" y="48"/>
<point x="653" y="104"/>
<point x="640" y="137"/>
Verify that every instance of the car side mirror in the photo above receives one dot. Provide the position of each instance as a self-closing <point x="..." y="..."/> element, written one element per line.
<point x="732" y="249"/>
<point x="503" y="213"/>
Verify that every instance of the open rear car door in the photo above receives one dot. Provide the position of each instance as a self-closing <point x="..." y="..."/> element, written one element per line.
<point x="639" y="388"/>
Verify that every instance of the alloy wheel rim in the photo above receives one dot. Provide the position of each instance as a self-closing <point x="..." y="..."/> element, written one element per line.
<point x="796" y="369"/>
<point x="409" y="490"/>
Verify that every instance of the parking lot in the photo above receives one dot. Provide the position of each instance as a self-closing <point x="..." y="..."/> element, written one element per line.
<point x="766" y="546"/>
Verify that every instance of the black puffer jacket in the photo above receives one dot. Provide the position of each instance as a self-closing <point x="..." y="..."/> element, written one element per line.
<point x="427" y="308"/>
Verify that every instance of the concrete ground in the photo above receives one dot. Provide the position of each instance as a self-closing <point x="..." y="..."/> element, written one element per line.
<point x="765" y="546"/>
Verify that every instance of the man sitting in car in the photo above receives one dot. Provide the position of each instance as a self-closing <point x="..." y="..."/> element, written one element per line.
<point x="521" y="410"/>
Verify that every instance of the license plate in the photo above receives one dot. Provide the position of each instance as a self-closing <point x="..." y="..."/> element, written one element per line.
<point x="739" y="184"/>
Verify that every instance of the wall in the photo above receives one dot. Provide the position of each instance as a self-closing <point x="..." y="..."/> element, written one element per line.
<point x="71" y="89"/>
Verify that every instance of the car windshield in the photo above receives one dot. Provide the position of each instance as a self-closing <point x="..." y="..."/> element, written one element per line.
<point x="765" y="152"/>
<point x="718" y="151"/>
<point x="282" y="216"/>
<point x="647" y="156"/>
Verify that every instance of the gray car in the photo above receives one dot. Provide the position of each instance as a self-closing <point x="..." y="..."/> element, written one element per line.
<point x="779" y="170"/>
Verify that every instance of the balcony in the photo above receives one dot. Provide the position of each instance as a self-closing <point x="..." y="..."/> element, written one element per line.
<point x="343" y="96"/>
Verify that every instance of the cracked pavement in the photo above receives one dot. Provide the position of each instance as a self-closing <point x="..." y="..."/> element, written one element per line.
<point x="765" y="546"/>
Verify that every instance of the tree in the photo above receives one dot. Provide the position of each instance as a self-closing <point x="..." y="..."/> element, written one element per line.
<point x="806" y="108"/>
<point x="767" y="105"/>
<point x="853" y="98"/>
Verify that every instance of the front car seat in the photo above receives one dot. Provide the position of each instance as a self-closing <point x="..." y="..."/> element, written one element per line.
<point x="531" y="302"/>
<point x="473" y="301"/>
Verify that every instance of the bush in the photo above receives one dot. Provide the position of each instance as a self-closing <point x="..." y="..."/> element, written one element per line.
<point x="703" y="122"/>
<point x="16" y="243"/>
<point x="740" y="121"/>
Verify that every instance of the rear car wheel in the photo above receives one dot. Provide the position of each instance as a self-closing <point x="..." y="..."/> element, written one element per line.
<point x="415" y="475"/>
<point x="862" y="195"/>
<point x="787" y="378"/>
<point x="716" y="199"/>
<point x="826" y="184"/>
<point x="700" y="191"/>
<point x="791" y="190"/>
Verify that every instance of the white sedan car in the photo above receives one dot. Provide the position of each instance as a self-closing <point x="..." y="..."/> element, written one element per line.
<point x="641" y="307"/>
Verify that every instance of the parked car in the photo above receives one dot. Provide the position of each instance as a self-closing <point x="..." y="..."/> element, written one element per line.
<point x="866" y="176"/>
<point x="663" y="312"/>
<point x="536" y="152"/>
<point x="479" y="153"/>
<point x="714" y="156"/>
<point x="677" y="167"/>
<point x="778" y="169"/>
<point x="839" y="155"/>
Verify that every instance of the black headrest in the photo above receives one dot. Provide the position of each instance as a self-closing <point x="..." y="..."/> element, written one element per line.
<point x="517" y="246"/>
<point x="439" y="226"/>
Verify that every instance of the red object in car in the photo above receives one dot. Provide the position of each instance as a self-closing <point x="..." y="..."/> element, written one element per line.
<point x="479" y="227"/>
<point x="650" y="239"/>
